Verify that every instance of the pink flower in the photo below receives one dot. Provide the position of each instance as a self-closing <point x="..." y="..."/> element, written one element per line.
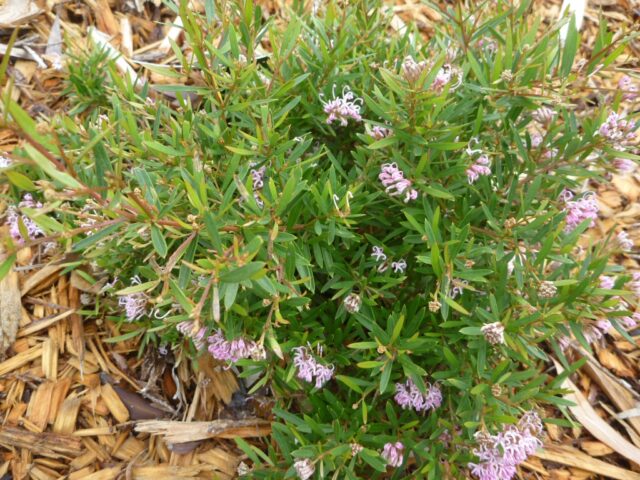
<point x="395" y="184"/>
<point x="135" y="304"/>
<point x="378" y="254"/>
<point x="617" y="130"/>
<point x="187" y="329"/>
<point x="304" y="469"/>
<point x="607" y="282"/>
<point x="458" y="288"/>
<point x="343" y="108"/>
<point x="378" y="132"/>
<point x="603" y="325"/>
<point x="393" y="454"/>
<point x="412" y="70"/>
<point x="493" y="333"/>
<point x="634" y="284"/>
<point x="487" y="44"/>
<point x="624" y="165"/>
<point x="408" y="396"/>
<point x="308" y="368"/>
<point x="536" y="140"/>
<point x="500" y="454"/>
<point x="629" y="90"/>
<point x="580" y="210"/>
<point x="400" y="266"/>
<point x="258" y="182"/>
<point x="14" y="219"/>
<point x="543" y="115"/>
<point x="478" y="169"/>
<point x="234" y="350"/>
<point x="631" y="321"/>
<point x="444" y="77"/>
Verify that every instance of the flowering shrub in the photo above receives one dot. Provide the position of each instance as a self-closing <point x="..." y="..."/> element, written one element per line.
<point x="383" y="232"/>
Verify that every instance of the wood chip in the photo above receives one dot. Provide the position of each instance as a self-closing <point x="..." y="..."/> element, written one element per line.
<point x="20" y="359"/>
<point x="573" y="457"/>
<point x="600" y="429"/>
<point x="17" y="12"/>
<point x="65" y="422"/>
<point x="114" y="403"/>
<point x="10" y="309"/>
<point x="180" y="432"/>
<point x="43" y="323"/>
<point x="38" y="410"/>
<point x="47" y="444"/>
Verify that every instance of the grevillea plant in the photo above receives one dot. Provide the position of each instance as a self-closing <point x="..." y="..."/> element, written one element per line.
<point x="380" y="231"/>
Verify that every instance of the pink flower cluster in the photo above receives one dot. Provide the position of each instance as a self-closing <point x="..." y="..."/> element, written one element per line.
<point x="631" y="321"/>
<point x="543" y="115"/>
<point x="304" y="468"/>
<point x="444" y="77"/>
<point x="586" y="208"/>
<point x="412" y="71"/>
<point x="135" y="304"/>
<point x="479" y="168"/>
<point x="257" y="176"/>
<point x="624" y="165"/>
<point x="393" y="453"/>
<point x="378" y="132"/>
<point x="395" y="184"/>
<point x="308" y="367"/>
<point x="187" y="328"/>
<point x="607" y="282"/>
<point x="408" y="396"/>
<point x="617" y="130"/>
<point x="343" y="108"/>
<point x="232" y="351"/>
<point x="14" y="219"/>
<point x="634" y="284"/>
<point x="398" y="267"/>
<point x="596" y="331"/>
<point x="629" y="90"/>
<point x="500" y="454"/>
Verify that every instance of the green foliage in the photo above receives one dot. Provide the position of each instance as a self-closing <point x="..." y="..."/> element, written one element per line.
<point x="163" y="191"/>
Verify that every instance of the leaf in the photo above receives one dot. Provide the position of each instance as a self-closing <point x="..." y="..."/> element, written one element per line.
<point x="386" y="375"/>
<point x="373" y="459"/>
<point x="384" y="142"/>
<point x="159" y="243"/>
<point x="471" y="331"/>
<point x="456" y="306"/>
<point x="242" y="273"/>
<point x="157" y="147"/>
<point x="274" y="345"/>
<point x="241" y="151"/>
<point x="6" y="265"/>
<point x="370" y="364"/>
<point x="19" y="180"/>
<point x="570" y="48"/>
<point x="349" y="382"/>
<point x="50" y="169"/>
<point x="438" y="192"/>
<point x="125" y="336"/>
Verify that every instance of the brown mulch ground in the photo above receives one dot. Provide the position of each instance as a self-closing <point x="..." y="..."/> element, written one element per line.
<point x="75" y="405"/>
